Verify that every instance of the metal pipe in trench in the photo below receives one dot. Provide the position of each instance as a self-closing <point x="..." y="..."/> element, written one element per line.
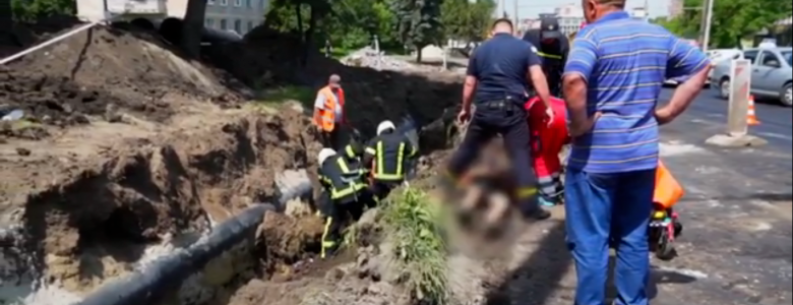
<point x="168" y="273"/>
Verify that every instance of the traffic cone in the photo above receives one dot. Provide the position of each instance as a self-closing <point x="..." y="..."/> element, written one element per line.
<point x="751" y="115"/>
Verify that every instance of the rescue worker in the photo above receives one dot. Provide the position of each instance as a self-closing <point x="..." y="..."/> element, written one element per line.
<point x="329" y="114"/>
<point x="346" y="194"/>
<point x="552" y="47"/>
<point x="496" y="83"/>
<point x="548" y="140"/>
<point x="391" y="152"/>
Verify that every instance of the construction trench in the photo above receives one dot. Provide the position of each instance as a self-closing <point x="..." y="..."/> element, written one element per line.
<point x="139" y="177"/>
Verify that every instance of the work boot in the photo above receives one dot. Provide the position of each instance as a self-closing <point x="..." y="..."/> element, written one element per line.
<point x="535" y="214"/>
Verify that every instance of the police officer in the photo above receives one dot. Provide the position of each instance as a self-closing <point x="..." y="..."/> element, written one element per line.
<point x="496" y="83"/>
<point x="552" y="47"/>
<point x="391" y="152"/>
<point x="346" y="192"/>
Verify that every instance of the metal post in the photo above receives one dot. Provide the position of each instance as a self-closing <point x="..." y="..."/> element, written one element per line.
<point x="707" y="20"/>
<point x="377" y="50"/>
<point x="517" y="20"/>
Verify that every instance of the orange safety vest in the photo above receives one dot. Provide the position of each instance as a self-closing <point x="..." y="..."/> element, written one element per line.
<point x="325" y="117"/>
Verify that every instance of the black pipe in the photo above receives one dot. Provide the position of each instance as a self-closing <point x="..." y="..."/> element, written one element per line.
<point x="165" y="275"/>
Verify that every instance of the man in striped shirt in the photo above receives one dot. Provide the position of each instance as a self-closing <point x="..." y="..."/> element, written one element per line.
<point x="612" y="80"/>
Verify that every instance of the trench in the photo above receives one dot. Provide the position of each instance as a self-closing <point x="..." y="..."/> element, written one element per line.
<point x="151" y="212"/>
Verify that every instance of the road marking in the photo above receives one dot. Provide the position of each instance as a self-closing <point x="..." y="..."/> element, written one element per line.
<point x="683" y="271"/>
<point x="775" y="135"/>
<point x="677" y="148"/>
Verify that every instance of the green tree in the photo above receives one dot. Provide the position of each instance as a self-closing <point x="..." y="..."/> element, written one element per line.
<point x="465" y="20"/>
<point x="419" y="23"/>
<point x="30" y="10"/>
<point x="733" y="20"/>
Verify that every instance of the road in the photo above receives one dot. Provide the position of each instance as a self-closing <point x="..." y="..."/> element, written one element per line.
<point x="736" y="247"/>
<point x="737" y="212"/>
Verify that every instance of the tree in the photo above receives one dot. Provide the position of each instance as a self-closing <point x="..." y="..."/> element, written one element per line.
<point x="465" y="20"/>
<point x="192" y="26"/>
<point x="733" y="20"/>
<point x="419" y="23"/>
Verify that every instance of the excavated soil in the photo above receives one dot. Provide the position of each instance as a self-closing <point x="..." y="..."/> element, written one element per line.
<point x="125" y="144"/>
<point x="104" y="71"/>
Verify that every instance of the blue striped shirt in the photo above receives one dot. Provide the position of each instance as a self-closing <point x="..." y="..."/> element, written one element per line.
<point x="625" y="62"/>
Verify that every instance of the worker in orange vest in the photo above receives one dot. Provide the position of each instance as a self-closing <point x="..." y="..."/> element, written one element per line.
<point x="329" y="113"/>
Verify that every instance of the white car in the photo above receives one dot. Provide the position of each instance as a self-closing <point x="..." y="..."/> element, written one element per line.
<point x="722" y="55"/>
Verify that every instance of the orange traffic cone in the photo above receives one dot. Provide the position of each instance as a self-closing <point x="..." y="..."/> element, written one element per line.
<point x="751" y="115"/>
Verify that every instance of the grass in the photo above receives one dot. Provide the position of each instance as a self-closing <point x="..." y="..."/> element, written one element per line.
<point x="273" y="97"/>
<point x="413" y="223"/>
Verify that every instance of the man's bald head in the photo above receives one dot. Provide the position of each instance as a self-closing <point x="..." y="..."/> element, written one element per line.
<point x="595" y="9"/>
<point x="334" y="81"/>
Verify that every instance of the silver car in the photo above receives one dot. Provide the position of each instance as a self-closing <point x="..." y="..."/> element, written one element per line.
<point x="772" y="71"/>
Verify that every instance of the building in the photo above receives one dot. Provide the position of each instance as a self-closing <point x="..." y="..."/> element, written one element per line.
<point x="675" y="8"/>
<point x="570" y="16"/>
<point x="240" y="16"/>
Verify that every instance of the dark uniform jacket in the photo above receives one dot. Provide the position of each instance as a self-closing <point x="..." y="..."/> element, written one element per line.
<point x="343" y="179"/>
<point x="553" y="55"/>
<point x="390" y="153"/>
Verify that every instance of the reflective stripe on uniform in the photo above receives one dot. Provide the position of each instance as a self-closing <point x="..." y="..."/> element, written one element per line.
<point x="343" y="165"/>
<point x="337" y="194"/>
<point x="551" y="56"/>
<point x="326" y="244"/>
<point x="349" y="151"/>
<point x="380" y="173"/>
<point x="371" y="151"/>
<point x="527" y="192"/>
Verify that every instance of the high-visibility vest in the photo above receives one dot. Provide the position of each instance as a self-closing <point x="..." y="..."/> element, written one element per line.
<point x="325" y="118"/>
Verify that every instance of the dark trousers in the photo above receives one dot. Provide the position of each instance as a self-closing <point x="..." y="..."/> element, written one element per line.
<point x="339" y="212"/>
<point x="603" y="209"/>
<point x="508" y="120"/>
<point x="333" y="139"/>
<point x="381" y="189"/>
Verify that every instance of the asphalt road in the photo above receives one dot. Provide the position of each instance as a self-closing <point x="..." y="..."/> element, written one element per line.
<point x="737" y="244"/>
<point x="736" y="247"/>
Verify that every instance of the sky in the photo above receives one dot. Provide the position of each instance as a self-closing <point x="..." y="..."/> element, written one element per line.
<point x="532" y="8"/>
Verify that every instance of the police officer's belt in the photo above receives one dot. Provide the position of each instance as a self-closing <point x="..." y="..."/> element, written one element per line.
<point x="506" y="104"/>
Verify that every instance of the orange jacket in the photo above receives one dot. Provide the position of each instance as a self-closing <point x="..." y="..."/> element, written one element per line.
<point x="325" y="116"/>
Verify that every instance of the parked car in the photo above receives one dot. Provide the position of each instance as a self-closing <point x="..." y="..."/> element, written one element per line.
<point x="720" y="55"/>
<point x="772" y="71"/>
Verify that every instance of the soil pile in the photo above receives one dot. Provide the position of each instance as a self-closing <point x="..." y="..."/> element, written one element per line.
<point x="102" y="70"/>
<point x="267" y="59"/>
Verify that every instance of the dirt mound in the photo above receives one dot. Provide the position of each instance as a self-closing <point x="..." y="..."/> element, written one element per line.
<point x="267" y="58"/>
<point x="104" y="70"/>
<point x="91" y="217"/>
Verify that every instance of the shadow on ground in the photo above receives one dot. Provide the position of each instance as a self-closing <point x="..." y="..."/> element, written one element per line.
<point x="540" y="279"/>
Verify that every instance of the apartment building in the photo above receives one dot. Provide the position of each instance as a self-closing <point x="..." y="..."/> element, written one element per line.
<point x="240" y="16"/>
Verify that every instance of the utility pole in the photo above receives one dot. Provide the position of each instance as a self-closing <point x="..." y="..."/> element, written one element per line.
<point x="502" y="9"/>
<point x="517" y="20"/>
<point x="707" y="21"/>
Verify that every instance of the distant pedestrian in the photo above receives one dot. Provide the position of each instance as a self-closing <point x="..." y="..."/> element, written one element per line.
<point x="612" y="80"/>
<point x="500" y="74"/>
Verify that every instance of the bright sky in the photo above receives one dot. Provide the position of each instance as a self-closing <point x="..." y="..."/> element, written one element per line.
<point x="532" y="8"/>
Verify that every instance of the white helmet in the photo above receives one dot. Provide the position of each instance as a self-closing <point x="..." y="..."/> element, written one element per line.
<point x="384" y="126"/>
<point x="324" y="154"/>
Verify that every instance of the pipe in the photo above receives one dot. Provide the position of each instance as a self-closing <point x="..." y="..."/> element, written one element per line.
<point x="52" y="41"/>
<point x="166" y="275"/>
